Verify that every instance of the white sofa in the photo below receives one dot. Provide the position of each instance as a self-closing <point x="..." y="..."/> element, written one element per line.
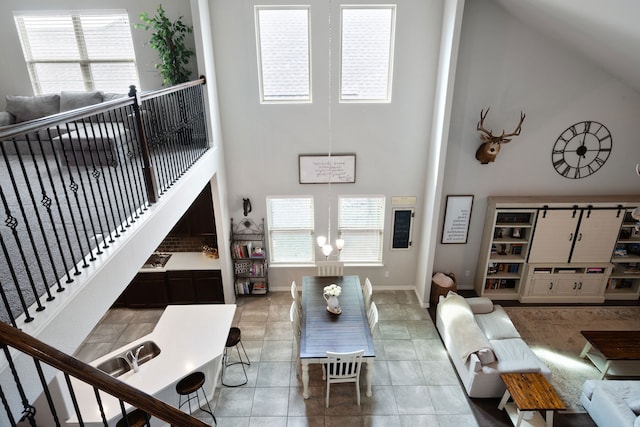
<point x="483" y="343"/>
<point x="612" y="403"/>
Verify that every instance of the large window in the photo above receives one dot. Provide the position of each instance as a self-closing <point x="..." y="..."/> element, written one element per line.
<point x="78" y="50"/>
<point x="361" y="225"/>
<point x="291" y="223"/>
<point x="282" y="39"/>
<point x="367" y="53"/>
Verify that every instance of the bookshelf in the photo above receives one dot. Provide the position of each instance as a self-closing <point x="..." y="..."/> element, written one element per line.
<point x="506" y="241"/>
<point x="249" y="258"/>
<point x="624" y="281"/>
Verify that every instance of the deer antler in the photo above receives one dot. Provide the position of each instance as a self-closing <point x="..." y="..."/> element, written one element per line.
<point x="480" y="125"/>
<point x="516" y="132"/>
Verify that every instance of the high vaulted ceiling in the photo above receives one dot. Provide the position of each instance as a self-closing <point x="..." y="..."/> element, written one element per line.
<point x="607" y="32"/>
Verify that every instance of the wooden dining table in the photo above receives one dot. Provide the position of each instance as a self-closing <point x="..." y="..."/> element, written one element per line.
<point x="324" y="331"/>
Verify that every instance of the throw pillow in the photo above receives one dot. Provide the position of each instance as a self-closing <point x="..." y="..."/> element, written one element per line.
<point x="486" y="356"/>
<point x="32" y="107"/>
<point x="480" y="305"/>
<point x="70" y="100"/>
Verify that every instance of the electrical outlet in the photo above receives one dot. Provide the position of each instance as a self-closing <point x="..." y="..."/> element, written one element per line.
<point x="386" y="274"/>
<point x="467" y="273"/>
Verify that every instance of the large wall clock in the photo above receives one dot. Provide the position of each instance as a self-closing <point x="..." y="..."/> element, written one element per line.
<point x="581" y="149"/>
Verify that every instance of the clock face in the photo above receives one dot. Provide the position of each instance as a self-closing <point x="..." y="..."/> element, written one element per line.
<point x="581" y="149"/>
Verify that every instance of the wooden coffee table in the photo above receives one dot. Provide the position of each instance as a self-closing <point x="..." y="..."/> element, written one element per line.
<point x="530" y="392"/>
<point x="613" y="352"/>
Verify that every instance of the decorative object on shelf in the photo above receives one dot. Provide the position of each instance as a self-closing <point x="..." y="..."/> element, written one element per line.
<point x="210" y="252"/>
<point x="167" y="37"/>
<point x="331" y="294"/>
<point x="581" y="149"/>
<point x="635" y="214"/>
<point x="246" y="206"/>
<point x="490" y="146"/>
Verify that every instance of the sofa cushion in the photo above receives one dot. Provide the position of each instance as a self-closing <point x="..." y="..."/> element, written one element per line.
<point x="33" y="107"/>
<point x="6" y="118"/>
<point x="637" y="422"/>
<point x="607" y="409"/>
<point x="497" y="325"/>
<point x="480" y="305"/>
<point x="70" y="100"/>
<point x="515" y="366"/>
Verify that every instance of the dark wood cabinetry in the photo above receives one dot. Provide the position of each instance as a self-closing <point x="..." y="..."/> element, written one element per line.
<point x="160" y="289"/>
<point x="199" y="219"/>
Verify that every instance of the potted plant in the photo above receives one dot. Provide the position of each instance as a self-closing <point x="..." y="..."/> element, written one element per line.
<point x="168" y="37"/>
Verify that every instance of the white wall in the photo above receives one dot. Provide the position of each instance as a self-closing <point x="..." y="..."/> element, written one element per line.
<point x="14" y="78"/>
<point x="505" y="65"/>
<point x="262" y="142"/>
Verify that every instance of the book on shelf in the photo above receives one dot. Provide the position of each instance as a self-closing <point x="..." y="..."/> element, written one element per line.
<point x="595" y="270"/>
<point x="259" y="288"/>
<point x="617" y="283"/>
<point x="567" y="270"/>
<point x="516" y="249"/>
<point x="542" y="270"/>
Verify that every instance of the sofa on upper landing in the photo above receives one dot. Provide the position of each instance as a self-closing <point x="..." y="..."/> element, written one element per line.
<point x="483" y="343"/>
<point x="97" y="140"/>
<point x="612" y="403"/>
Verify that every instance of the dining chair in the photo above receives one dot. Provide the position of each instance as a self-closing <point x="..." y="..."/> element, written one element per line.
<point x="344" y="368"/>
<point x="330" y="268"/>
<point x="372" y="317"/>
<point x="296" y="296"/>
<point x="296" y="324"/>
<point x="367" y="293"/>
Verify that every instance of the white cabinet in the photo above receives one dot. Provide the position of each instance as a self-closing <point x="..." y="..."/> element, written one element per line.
<point x="575" y="235"/>
<point x="565" y="283"/>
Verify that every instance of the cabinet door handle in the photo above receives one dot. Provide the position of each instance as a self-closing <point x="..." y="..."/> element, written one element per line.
<point x="575" y="285"/>
<point x="580" y="285"/>
<point x="550" y="285"/>
<point x="570" y="236"/>
<point x="579" y="236"/>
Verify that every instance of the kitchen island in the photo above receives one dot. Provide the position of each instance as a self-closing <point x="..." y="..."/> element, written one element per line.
<point x="190" y="337"/>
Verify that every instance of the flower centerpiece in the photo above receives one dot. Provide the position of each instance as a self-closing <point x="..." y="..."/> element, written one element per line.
<point x="331" y="294"/>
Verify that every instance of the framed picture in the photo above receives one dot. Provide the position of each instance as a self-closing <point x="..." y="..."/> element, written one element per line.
<point x="325" y="168"/>
<point x="455" y="228"/>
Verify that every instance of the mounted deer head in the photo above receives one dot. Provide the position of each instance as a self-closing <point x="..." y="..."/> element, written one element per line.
<point x="490" y="146"/>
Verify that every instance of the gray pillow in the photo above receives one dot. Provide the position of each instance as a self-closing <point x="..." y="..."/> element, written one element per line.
<point x="33" y="107"/>
<point x="70" y="100"/>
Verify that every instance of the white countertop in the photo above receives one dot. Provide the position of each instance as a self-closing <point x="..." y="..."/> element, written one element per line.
<point x="186" y="261"/>
<point x="189" y="337"/>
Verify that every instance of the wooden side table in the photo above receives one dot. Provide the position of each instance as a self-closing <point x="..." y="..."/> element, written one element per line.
<point x="530" y="392"/>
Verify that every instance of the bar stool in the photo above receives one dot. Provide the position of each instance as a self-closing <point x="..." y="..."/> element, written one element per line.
<point x="191" y="384"/>
<point x="135" y="418"/>
<point x="233" y="339"/>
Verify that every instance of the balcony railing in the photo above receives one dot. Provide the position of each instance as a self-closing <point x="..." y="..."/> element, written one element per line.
<point x="73" y="183"/>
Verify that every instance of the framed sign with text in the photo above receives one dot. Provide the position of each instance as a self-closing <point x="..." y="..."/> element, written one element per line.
<point x="325" y="168"/>
<point x="455" y="228"/>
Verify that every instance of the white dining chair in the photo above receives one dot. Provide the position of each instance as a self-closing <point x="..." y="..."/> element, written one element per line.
<point x="367" y="293"/>
<point x="344" y="368"/>
<point x="296" y="324"/>
<point x="296" y="296"/>
<point x="330" y="268"/>
<point x="372" y="317"/>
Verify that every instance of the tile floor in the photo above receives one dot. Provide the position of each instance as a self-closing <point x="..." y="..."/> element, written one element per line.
<point x="414" y="383"/>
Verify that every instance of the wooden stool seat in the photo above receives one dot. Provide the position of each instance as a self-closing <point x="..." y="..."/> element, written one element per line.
<point x="136" y="418"/>
<point x="190" y="383"/>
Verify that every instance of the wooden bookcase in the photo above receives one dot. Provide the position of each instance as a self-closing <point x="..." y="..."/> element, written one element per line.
<point x="249" y="258"/>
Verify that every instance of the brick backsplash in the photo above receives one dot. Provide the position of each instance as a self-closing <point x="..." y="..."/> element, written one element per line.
<point x="186" y="243"/>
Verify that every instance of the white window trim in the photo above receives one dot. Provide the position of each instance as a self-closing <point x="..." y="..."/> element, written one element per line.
<point x="388" y="98"/>
<point x="257" y="10"/>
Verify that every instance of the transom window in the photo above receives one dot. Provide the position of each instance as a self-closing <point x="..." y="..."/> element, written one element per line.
<point x="291" y="224"/>
<point x="282" y="40"/>
<point x="74" y="50"/>
<point x="361" y="225"/>
<point x="367" y="41"/>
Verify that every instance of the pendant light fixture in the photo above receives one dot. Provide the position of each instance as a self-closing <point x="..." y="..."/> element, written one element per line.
<point x="325" y="242"/>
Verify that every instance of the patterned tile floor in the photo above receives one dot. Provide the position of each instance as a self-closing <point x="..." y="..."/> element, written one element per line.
<point x="414" y="383"/>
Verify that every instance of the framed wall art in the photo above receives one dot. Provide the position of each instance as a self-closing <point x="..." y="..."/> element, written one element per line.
<point x="325" y="168"/>
<point x="455" y="228"/>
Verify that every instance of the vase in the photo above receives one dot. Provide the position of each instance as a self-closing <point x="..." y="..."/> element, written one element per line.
<point x="333" y="305"/>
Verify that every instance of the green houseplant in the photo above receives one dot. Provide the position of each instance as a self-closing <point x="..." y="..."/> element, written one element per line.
<point x="167" y="37"/>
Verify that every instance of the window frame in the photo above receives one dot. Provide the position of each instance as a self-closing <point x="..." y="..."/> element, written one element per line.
<point x="387" y="99"/>
<point x="84" y="59"/>
<point x="259" y="55"/>
<point x="295" y="230"/>
<point x="348" y="233"/>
